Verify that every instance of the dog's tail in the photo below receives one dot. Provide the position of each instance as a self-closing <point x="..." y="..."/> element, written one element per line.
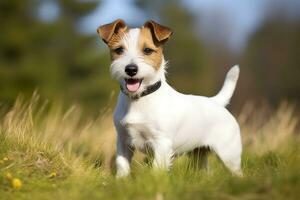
<point x="224" y="96"/>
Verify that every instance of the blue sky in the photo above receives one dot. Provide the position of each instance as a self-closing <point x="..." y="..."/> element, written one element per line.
<point x="242" y="17"/>
<point x="227" y="21"/>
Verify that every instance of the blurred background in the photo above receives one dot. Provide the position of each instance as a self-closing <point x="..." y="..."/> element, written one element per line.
<point x="52" y="46"/>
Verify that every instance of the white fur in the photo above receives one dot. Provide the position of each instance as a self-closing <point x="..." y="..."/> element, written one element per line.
<point x="168" y="122"/>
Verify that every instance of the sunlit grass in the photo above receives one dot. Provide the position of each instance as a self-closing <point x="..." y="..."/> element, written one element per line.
<point x="47" y="152"/>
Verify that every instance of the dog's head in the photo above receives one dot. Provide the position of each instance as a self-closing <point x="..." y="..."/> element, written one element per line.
<point x="136" y="53"/>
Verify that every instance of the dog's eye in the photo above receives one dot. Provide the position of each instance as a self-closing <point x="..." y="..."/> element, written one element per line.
<point x="148" y="51"/>
<point x="119" y="50"/>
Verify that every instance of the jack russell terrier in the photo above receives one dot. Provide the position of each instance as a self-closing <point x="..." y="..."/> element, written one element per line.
<point x="150" y="114"/>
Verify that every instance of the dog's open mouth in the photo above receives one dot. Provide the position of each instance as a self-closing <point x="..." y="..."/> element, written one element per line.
<point x="132" y="85"/>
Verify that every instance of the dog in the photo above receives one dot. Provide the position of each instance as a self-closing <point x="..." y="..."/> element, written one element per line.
<point x="150" y="114"/>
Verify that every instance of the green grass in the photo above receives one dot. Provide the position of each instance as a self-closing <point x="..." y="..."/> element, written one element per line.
<point x="39" y="139"/>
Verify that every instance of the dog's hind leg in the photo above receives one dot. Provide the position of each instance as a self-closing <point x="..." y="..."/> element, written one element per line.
<point x="233" y="163"/>
<point x="230" y="154"/>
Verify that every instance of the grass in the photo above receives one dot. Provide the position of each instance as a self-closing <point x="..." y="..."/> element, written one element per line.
<point x="62" y="154"/>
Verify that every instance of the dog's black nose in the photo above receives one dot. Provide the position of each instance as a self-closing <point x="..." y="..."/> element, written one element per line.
<point x="131" y="69"/>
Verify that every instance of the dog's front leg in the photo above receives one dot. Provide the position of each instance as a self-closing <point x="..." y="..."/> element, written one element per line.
<point x="163" y="152"/>
<point x="124" y="154"/>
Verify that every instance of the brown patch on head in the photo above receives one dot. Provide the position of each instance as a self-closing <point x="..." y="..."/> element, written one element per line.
<point x="150" y="42"/>
<point x="153" y="36"/>
<point x="108" y="31"/>
<point x="161" y="33"/>
<point x="115" y="43"/>
<point x="146" y="40"/>
<point x="112" y="35"/>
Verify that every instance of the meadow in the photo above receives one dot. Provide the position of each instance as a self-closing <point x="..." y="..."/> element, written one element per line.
<point x="50" y="152"/>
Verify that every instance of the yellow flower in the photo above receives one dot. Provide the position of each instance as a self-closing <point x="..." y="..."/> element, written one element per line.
<point x="8" y="176"/>
<point x="16" y="183"/>
<point x="53" y="174"/>
<point x="5" y="159"/>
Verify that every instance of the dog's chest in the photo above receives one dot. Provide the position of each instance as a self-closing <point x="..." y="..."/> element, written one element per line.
<point x="141" y="127"/>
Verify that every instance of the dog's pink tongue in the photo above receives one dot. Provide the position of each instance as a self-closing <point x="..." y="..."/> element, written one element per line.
<point x="133" y="86"/>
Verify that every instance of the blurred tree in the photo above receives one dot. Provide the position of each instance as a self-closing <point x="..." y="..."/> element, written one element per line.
<point x="52" y="56"/>
<point x="190" y="66"/>
<point x="55" y="57"/>
<point x="272" y="58"/>
<point x="190" y="69"/>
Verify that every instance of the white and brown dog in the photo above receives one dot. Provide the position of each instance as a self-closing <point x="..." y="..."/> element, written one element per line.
<point x="150" y="114"/>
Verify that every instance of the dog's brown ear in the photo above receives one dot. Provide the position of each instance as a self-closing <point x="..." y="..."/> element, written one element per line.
<point x="161" y="33"/>
<point x="106" y="31"/>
